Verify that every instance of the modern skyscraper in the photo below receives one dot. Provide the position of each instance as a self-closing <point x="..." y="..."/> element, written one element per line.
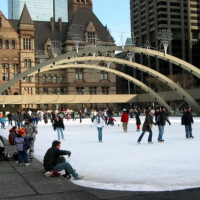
<point x="40" y="10"/>
<point x="182" y="17"/>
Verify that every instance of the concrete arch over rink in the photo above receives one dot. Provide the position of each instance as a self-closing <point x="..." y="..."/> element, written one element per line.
<point x="183" y="93"/>
<point x="147" y="89"/>
<point x="69" y="58"/>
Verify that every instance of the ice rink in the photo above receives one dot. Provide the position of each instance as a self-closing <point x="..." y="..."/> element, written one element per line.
<point x="119" y="163"/>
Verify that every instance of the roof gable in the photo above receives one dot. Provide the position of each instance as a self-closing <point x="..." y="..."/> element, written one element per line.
<point x="85" y="15"/>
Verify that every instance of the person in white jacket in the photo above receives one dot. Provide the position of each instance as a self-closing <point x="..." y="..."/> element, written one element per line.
<point x="99" y="122"/>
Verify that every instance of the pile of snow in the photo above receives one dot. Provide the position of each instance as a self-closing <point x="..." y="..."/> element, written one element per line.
<point x="119" y="163"/>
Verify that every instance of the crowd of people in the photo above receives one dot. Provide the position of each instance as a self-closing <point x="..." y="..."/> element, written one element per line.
<point x="24" y="131"/>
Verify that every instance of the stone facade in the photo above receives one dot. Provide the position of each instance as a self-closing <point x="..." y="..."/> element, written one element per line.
<point x="37" y="41"/>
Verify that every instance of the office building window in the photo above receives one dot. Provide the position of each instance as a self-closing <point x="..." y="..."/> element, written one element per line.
<point x="62" y="90"/>
<point x="37" y="78"/>
<point x="79" y="90"/>
<point x="7" y="44"/>
<point x="54" y="90"/>
<point x="61" y="78"/>
<point x="44" y="78"/>
<point x="29" y="63"/>
<point x="104" y="75"/>
<point x="92" y="90"/>
<point x="45" y="90"/>
<point x="28" y="79"/>
<point x="55" y="78"/>
<point x="91" y="38"/>
<point x="13" y="44"/>
<point x="79" y="74"/>
<point x="5" y="65"/>
<point x="105" y="90"/>
<point x="1" y="44"/>
<point x="0" y="22"/>
<point x="27" y="43"/>
<point x="25" y="63"/>
<point x="49" y="79"/>
<point x="5" y="76"/>
<point x="37" y="90"/>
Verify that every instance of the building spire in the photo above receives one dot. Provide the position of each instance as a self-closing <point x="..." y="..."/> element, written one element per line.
<point x="25" y="16"/>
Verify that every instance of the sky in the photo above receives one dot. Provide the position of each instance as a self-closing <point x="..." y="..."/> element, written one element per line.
<point x="113" y="13"/>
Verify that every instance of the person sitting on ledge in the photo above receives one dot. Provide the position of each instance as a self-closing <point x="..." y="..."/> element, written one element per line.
<point x="55" y="161"/>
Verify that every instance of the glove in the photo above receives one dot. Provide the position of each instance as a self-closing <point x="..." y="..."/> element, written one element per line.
<point x="69" y="154"/>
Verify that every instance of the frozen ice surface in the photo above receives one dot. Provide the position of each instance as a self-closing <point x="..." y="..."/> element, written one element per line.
<point x="119" y="163"/>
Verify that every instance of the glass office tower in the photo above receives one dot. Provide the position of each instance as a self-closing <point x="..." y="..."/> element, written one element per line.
<point x="40" y="10"/>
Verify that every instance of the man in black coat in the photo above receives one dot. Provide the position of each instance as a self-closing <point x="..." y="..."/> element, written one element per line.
<point x="54" y="160"/>
<point x="187" y="120"/>
<point x="161" y="121"/>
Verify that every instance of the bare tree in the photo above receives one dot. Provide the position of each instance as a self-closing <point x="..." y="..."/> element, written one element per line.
<point x="76" y="32"/>
<point x="165" y="37"/>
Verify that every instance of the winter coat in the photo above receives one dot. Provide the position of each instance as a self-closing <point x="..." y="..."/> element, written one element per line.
<point x="187" y="118"/>
<point x="31" y="130"/>
<point x="22" y="143"/>
<point x="137" y="117"/>
<point x="124" y="118"/>
<point x="162" y="118"/>
<point x="51" y="157"/>
<point x="9" y="116"/>
<point x="101" y="122"/>
<point x="148" y="122"/>
<point x="3" y="120"/>
<point x="58" y="124"/>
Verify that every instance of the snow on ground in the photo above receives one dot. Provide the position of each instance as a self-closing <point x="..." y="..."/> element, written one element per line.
<point x="119" y="163"/>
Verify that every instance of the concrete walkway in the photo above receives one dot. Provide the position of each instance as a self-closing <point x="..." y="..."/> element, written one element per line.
<point x="27" y="183"/>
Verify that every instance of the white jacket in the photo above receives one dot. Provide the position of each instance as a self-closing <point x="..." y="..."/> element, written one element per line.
<point x="101" y="124"/>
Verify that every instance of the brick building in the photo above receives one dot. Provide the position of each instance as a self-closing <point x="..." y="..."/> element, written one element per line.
<point x="24" y="43"/>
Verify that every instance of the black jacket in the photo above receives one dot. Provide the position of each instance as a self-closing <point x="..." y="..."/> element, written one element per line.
<point x="162" y="118"/>
<point x="51" y="157"/>
<point x="187" y="118"/>
<point x="58" y="124"/>
<point x="137" y="117"/>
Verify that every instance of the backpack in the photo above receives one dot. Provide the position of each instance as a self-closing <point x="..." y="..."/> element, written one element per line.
<point x="11" y="139"/>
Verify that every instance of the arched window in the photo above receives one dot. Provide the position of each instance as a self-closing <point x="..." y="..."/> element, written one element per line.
<point x="55" y="78"/>
<point x="13" y="44"/>
<point x="43" y="78"/>
<point x="61" y="78"/>
<point x="49" y="50"/>
<point x="25" y="63"/>
<point x="29" y="63"/>
<point x="49" y="78"/>
<point x="1" y="44"/>
<point x="7" y="44"/>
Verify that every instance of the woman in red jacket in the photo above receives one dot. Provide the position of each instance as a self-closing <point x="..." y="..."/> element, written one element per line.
<point x="124" y="120"/>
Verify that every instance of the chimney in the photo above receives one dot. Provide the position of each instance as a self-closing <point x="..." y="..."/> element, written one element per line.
<point x="52" y="24"/>
<point x="60" y="24"/>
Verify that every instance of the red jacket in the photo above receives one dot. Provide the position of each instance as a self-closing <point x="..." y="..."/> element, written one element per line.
<point x="124" y="118"/>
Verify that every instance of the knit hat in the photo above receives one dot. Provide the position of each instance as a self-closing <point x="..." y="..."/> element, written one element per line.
<point x="21" y="131"/>
<point x="124" y="109"/>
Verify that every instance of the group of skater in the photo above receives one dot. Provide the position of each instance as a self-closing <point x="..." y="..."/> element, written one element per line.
<point x="25" y="130"/>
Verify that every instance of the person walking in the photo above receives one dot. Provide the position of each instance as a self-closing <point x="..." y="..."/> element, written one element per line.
<point x="124" y="120"/>
<point x="59" y="127"/>
<point x="99" y="122"/>
<point x="10" y="118"/>
<point x="54" y="160"/>
<point x="147" y="126"/>
<point x="161" y="121"/>
<point x="187" y="121"/>
<point x="3" y="122"/>
<point x="31" y="132"/>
